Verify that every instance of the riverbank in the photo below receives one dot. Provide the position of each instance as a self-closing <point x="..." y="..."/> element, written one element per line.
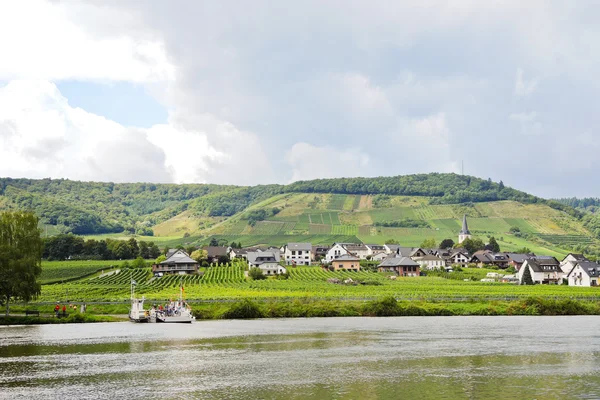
<point x="311" y="308"/>
<point x="45" y="320"/>
<point x="389" y="306"/>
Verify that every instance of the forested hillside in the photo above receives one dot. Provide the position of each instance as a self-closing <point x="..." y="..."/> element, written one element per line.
<point x="92" y="207"/>
<point x="405" y="208"/>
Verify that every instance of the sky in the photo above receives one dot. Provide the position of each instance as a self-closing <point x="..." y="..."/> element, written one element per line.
<point x="261" y="92"/>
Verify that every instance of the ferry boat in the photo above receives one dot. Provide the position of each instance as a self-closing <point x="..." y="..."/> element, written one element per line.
<point x="175" y="312"/>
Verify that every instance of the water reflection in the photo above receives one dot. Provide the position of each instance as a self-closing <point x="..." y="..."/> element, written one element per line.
<point x="351" y="358"/>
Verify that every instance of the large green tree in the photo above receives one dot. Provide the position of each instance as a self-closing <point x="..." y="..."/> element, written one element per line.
<point x="20" y="257"/>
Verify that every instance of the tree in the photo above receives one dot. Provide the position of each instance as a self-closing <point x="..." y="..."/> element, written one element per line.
<point x="153" y="250"/>
<point x="493" y="245"/>
<point x="256" y="274"/>
<point x="20" y="257"/>
<point x="527" y="279"/>
<point x="199" y="255"/>
<point x="472" y="245"/>
<point x="428" y="243"/>
<point x="447" y="244"/>
<point x="123" y="251"/>
<point x="213" y="242"/>
<point x="138" y="263"/>
<point x="135" y="249"/>
<point x="160" y="259"/>
<point x="144" y="250"/>
<point x="392" y="241"/>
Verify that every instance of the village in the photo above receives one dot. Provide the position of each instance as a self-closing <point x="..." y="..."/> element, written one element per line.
<point x="516" y="268"/>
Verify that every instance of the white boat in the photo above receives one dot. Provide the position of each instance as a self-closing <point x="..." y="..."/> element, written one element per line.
<point x="175" y="312"/>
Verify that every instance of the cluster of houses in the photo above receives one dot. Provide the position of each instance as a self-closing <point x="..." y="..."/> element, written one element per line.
<point x="403" y="261"/>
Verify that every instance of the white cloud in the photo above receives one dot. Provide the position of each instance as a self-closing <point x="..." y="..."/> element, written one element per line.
<point x="528" y="121"/>
<point x="41" y="135"/>
<point x="522" y="87"/>
<point x="41" y="40"/>
<point x="313" y="162"/>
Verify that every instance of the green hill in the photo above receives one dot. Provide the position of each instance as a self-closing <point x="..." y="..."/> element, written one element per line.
<point x="408" y="209"/>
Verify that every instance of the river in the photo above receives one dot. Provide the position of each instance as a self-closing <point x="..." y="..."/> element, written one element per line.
<point x="337" y="358"/>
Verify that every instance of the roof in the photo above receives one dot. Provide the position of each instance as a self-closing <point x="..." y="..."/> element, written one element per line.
<point x="261" y="257"/>
<point x="346" y="257"/>
<point x="538" y="265"/>
<point x="589" y="267"/>
<point x="375" y="246"/>
<point x="577" y="257"/>
<point x="299" y="246"/>
<point x="392" y="247"/>
<point x="428" y="257"/>
<point x="216" y="251"/>
<point x="355" y="247"/>
<point x="465" y="227"/>
<point x="179" y="257"/>
<point x="395" y="261"/>
<point x="518" y="257"/>
<point x="171" y="252"/>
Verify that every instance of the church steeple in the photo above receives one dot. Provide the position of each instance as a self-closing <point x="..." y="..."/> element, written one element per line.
<point x="465" y="227"/>
<point x="464" y="232"/>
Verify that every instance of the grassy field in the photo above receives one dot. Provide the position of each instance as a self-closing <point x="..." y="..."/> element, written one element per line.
<point x="57" y="271"/>
<point x="228" y="282"/>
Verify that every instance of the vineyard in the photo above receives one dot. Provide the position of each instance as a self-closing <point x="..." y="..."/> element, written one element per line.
<point x="229" y="282"/>
<point x="60" y="271"/>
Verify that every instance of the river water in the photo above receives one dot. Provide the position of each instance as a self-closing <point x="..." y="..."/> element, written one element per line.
<point x="337" y="358"/>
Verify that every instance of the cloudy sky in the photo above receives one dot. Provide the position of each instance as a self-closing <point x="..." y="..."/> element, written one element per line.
<point x="271" y="92"/>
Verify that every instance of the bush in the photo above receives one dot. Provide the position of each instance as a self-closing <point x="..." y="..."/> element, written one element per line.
<point x="245" y="309"/>
<point x="256" y="274"/>
<point x="386" y="307"/>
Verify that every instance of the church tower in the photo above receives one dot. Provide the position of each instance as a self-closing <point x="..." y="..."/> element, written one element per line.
<point x="464" y="232"/>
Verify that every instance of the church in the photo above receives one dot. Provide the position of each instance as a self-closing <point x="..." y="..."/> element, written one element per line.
<point x="464" y="232"/>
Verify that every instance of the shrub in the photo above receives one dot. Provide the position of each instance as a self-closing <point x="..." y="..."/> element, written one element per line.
<point x="256" y="274"/>
<point x="245" y="309"/>
<point x="386" y="307"/>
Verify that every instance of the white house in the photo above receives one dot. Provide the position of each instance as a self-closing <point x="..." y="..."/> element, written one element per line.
<point x="457" y="257"/>
<point x="379" y="256"/>
<point x="297" y="253"/>
<point x="358" y="250"/>
<point x="267" y="261"/>
<point x="430" y="262"/>
<point x="373" y="249"/>
<point x="543" y="271"/>
<point x="585" y="273"/>
<point x="336" y="251"/>
<point x="570" y="261"/>
<point x="391" y="248"/>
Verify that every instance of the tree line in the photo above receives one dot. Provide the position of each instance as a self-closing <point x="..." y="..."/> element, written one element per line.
<point x="69" y="246"/>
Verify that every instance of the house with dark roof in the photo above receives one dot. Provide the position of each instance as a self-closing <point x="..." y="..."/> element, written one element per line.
<point x="585" y="273"/>
<point x="543" y="269"/>
<point x="486" y="258"/>
<point x="516" y="260"/>
<point x="455" y="257"/>
<point x="319" y="252"/>
<point x="267" y="261"/>
<point x="391" y="248"/>
<point x="297" y="253"/>
<point x="570" y="261"/>
<point x="402" y="266"/>
<point x="179" y="262"/>
<point x="214" y="252"/>
<point x="346" y="262"/>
